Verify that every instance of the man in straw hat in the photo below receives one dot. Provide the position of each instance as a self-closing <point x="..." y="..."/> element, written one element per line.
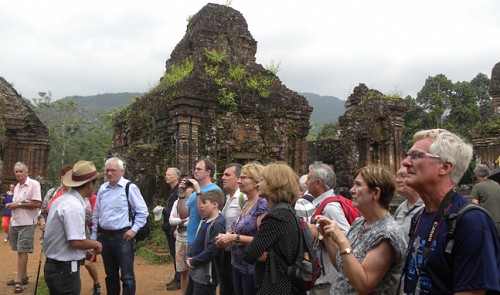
<point x="65" y="241"/>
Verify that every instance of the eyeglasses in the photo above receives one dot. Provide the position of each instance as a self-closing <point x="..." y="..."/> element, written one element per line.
<point x="199" y="169"/>
<point x="414" y="155"/>
<point x="400" y="176"/>
<point x="243" y="177"/>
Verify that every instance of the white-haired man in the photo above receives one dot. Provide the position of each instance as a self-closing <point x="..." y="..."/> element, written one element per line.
<point x="24" y="217"/>
<point x="116" y="230"/>
<point x="435" y="163"/>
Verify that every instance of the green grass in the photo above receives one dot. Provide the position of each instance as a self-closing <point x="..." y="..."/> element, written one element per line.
<point x="42" y="287"/>
<point x="155" y="243"/>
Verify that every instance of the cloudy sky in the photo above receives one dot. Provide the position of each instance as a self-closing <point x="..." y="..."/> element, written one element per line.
<point x="325" y="47"/>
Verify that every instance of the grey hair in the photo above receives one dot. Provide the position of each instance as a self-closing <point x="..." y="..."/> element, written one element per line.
<point x="25" y="167"/>
<point x="325" y="173"/>
<point x="303" y="182"/>
<point x="450" y="148"/>
<point x="117" y="160"/>
<point x="482" y="170"/>
<point x="237" y="168"/>
<point x="175" y="171"/>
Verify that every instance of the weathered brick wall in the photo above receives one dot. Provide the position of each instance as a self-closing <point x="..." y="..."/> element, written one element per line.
<point x="370" y="133"/>
<point x="25" y="138"/>
<point x="176" y="123"/>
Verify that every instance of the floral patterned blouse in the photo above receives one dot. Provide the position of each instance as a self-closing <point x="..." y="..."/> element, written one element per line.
<point x="246" y="225"/>
<point x="362" y="241"/>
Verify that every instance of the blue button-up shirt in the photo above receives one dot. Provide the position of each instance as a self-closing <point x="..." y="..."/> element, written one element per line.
<point x="111" y="208"/>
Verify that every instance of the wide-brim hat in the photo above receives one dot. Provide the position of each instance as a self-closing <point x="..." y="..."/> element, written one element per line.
<point x="82" y="172"/>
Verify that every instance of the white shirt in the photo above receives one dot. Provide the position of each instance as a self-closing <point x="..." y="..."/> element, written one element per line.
<point x="65" y="222"/>
<point x="232" y="209"/>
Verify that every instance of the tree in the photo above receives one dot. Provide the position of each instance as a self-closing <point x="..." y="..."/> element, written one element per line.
<point x="328" y="130"/>
<point x="481" y="84"/>
<point x="63" y="119"/>
<point x="464" y="110"/>
<point x="415" y="119"/>
<point x="435" y="96"/>
<point x="72" y="137"/>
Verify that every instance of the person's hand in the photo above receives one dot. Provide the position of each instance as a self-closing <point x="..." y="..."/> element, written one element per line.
<point x="89" y="253"/>
<point x="182" y="187"/>
<point x="321" y="222"/>
<point x="224" y="239"/>
<point x="9" y="206"/>
<point x="99" y="249"/>
<point x="42" y="225"/>
<point x="331" y="229"/>
<point x="196" y="185"/>
<point x="129" y="235"/>
<point x="263" y="257"/>
<point x="188" y="262"/>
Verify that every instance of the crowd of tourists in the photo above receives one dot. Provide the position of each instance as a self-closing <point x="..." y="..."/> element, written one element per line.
<point x="245" y="237"/>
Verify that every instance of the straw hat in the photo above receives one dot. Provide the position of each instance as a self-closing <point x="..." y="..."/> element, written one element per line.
<point x="82" y="172"/>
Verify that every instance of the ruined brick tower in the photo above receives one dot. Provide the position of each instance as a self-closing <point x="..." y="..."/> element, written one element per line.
<point x="370" y="132"/>
<point x="23" y="137"/>
<point x="214" y="100"/>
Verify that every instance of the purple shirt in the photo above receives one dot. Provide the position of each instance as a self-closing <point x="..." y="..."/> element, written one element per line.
<point x="247" y="226"/>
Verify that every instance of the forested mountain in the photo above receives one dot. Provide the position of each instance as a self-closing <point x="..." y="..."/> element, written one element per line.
<point x="101" y="103"/>
<point x="326" y="108"/>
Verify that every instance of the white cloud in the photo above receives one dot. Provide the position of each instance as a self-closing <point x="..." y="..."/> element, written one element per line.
<point x="325" y="47"/>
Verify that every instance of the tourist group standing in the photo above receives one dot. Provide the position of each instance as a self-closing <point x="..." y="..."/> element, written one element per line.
<point x="245" y="237"/>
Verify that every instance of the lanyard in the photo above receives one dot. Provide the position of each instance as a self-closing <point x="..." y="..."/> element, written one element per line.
<point x="431" y="234"/>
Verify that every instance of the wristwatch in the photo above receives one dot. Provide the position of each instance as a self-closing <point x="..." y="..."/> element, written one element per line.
<point x="346" y="251"/>
<point x="237" y="239"/>
<point x="20" y="204"/>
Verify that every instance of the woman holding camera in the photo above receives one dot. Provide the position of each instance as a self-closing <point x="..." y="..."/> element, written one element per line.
<point x="370" y="259"/>
<point x="245" y="227"/>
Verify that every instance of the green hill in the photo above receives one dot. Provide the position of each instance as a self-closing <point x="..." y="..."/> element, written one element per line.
<point x="104" y="102"/>
<point x="326" y="108"/>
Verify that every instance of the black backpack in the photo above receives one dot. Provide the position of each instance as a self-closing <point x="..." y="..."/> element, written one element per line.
<point x="454" y="218"/>
<point x="305" y="270"/>
<point x="144" y="231"/>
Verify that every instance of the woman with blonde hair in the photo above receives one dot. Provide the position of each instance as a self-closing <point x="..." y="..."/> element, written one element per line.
<point x="245" y="227"/>
<point x="370" y="259"/>
<point x="278" y="231"/>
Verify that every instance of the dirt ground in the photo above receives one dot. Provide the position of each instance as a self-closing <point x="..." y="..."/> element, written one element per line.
<point x="150" y="278"/>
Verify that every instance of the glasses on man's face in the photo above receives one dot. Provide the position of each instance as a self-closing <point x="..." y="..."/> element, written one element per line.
<point x="414" y="155"/>
<point x="199" y="169"/>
